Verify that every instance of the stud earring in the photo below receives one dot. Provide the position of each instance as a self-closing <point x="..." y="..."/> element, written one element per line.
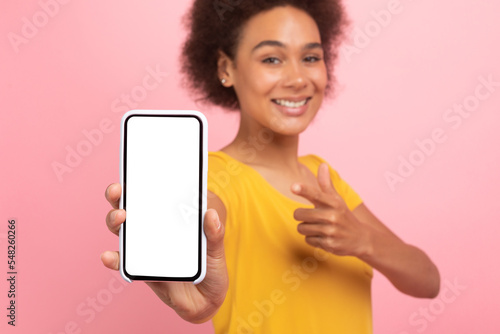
<point x="223" y="81"/>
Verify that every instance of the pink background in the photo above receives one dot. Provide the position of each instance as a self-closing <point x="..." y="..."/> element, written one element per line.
<point x="65" y="78"/>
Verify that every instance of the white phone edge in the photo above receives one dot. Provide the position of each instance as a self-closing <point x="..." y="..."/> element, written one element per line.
<point x="204" y="180"/>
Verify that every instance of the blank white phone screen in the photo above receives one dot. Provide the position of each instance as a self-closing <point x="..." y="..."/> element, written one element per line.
<point x="162" y="196"/>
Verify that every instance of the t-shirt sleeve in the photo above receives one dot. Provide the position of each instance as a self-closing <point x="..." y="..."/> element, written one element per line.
<point x="221" y="181"/>
<point x="350" y="196"/>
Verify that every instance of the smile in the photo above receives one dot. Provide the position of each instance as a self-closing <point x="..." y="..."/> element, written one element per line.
<point x="291" y="104"/>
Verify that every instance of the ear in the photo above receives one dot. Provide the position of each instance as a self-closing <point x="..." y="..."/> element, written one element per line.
<point x="225" y="68"/>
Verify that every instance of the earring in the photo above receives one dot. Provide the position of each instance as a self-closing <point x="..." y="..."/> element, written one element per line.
<point x="223" y="81"/>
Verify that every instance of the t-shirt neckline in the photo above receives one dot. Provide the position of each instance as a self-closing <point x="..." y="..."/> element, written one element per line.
<point x="255" y="172"/>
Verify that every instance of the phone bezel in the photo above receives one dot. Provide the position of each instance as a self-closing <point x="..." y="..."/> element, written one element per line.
<point x="203" y="156"/>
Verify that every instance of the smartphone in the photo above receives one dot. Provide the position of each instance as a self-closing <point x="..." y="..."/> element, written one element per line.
<point x="163" y="174"/>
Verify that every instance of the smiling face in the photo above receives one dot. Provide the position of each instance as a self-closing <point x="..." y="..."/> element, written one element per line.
<point x="278" y="72"/>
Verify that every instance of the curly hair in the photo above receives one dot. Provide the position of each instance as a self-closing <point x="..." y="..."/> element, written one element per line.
<point x="217" y="24"/>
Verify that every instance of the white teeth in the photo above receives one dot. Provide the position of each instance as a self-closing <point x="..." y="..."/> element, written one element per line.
<point x="291" y="104"/>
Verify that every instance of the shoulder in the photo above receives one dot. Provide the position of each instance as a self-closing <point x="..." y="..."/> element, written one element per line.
<point x="350" y="196"/>
<point x="317" y="160"/>
<point x="224" y="165"/>
<point x="224" y="180"/>
<point x="216" y="163"/>
<point x="216" y="157"/>
<point x="221" y="159"/>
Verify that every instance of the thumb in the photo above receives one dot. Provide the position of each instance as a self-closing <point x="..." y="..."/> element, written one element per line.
<point x="214" y="230"/>
<point x="324" y="179"/>
<point x="214" y="285"/>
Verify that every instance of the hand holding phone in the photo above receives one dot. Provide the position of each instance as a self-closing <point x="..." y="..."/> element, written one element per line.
<point x="197" y="302"/>
<point x="193" y="303"/>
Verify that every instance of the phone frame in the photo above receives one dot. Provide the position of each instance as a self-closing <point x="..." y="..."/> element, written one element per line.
<point x="202" y="254"/>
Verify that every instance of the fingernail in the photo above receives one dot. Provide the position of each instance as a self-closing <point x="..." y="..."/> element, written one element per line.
<point x="217" y="221"/>
<point x="296" y="187"/>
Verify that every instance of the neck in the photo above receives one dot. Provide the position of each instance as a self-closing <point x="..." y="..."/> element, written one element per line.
<point x="261" y="146"/>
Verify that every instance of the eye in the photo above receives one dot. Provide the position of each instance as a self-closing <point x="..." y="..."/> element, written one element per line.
<point x="271" y="60"/>
<point x="312" y="59"/>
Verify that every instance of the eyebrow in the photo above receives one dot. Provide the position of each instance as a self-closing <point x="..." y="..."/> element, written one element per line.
<point x="308" y="46"/>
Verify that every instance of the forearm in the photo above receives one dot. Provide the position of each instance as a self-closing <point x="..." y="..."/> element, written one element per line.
<point x="408" y="268"/>
<point x="199" y="316"/>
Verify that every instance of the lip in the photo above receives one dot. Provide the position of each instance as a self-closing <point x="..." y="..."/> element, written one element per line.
<point x="293" y="111"/>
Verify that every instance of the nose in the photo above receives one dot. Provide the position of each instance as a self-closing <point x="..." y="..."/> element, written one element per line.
<point x="294" y="76"/>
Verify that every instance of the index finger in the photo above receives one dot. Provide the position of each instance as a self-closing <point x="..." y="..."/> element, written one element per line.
<point x="113" y="193"/>
<point x="315" y="196"/>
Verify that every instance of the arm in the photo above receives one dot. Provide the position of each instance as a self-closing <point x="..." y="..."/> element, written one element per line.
<point x="338" y="230"/>
<point x="408" y="268"/>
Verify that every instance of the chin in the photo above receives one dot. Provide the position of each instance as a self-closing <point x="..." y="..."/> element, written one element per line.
<point x="289" y="127"/>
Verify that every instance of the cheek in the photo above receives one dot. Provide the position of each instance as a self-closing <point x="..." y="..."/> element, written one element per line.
<point x="320" y="79"/>
<point x="264" y="80"/>
<point x="257" y="83"/>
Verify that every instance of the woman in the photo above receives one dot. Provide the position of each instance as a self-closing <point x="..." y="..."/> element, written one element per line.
<point x="291" y="246"/>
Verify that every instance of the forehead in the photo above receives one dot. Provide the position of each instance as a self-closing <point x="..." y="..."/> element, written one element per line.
<point x="289" y="25"/>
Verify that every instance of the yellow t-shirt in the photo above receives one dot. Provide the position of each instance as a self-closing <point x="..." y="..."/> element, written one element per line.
<point x="277" y="282"/>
